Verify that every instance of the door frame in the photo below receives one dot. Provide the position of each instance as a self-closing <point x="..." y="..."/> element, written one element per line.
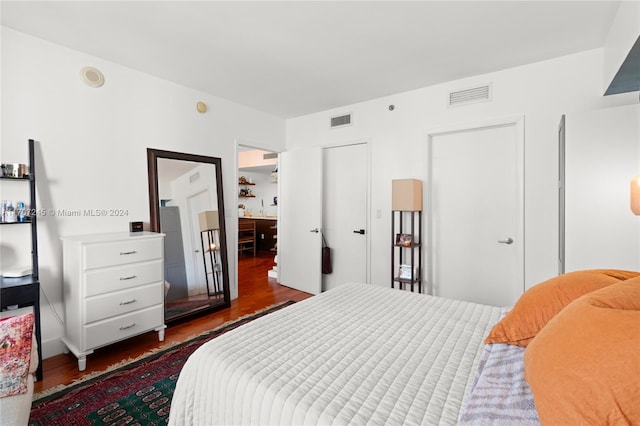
<point x="367" y="143"/>
<point x="518" y="122"/>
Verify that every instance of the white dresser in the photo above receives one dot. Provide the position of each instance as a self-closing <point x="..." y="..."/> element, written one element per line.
<point x="113" y="289"/>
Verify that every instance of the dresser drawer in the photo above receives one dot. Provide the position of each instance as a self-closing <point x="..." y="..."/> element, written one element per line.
<point x="118" y="328"/>
<point x="121" y="252"/>
<point x="118" y="303"/>
<point x="106" y="280"/>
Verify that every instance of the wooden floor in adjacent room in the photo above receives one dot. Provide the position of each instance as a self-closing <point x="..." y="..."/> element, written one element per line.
<point x="256" y="291"/>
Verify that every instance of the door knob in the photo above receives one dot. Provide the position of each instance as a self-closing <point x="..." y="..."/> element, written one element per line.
<point x="316" y="230"/>
<point x="507" y="241"/>
<point x="360" y="231"/>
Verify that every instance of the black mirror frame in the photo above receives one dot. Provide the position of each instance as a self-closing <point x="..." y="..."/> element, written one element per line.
<point x="154" y="207"/>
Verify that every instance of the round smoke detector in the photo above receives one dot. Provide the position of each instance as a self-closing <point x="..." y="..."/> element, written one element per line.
<point x="92" y="76"/>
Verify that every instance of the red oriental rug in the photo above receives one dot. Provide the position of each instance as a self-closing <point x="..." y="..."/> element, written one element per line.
<point x="138" y="393"/>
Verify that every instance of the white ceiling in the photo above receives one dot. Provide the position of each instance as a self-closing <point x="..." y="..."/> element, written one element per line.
<point x="293" y="58"/>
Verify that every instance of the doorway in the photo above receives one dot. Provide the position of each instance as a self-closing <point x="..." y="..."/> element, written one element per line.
<point x="323" y="193"/>
<point x="344" y="213"/>
<point x="476" y="212"/>
<point x="257" y="207"/>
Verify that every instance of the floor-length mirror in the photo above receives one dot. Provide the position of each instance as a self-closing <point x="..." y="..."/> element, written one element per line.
<point x="186" y="204"/>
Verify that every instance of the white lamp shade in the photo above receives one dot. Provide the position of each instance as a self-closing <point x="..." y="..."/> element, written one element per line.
<point x="208" y="220"/>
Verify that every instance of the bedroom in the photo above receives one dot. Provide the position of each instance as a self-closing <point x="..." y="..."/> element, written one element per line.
<point x="95" y="144"/>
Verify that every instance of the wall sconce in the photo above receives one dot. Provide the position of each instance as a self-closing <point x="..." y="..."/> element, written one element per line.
<point x="635" y="195"/>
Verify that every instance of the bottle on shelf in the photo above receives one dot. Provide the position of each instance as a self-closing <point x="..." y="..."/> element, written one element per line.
<point x="21" y="212"/>
<point x="10" y="213"/>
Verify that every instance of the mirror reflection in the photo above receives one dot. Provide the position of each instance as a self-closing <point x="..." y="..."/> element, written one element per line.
<point x="186" y="205"/>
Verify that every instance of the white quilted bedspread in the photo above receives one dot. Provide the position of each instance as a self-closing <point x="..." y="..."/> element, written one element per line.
<point x="358" y="354"/>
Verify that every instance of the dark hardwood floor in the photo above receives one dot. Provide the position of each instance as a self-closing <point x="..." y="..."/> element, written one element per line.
<point x="255" y="291"/>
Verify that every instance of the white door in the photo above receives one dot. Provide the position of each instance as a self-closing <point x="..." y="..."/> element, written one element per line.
<point x="345" y="213"/>
<point x="197" y="203"/>
<point x="300" y="220"/>
<point x="476" y="213"/>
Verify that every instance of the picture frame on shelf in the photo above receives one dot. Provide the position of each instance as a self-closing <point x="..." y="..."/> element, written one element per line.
<point x="404" y="240"/>
<point x="404" y="272"/>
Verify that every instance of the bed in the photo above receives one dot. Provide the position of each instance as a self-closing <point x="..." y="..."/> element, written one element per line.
<point x="358" y="354"/>
<point x="361" y="354"/>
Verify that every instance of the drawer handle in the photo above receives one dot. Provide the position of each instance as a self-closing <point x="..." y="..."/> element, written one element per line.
<point x="125" y="327"/>
<point x="128" y="302"/>
<point x="127" y="278"/>
<point x="122" y="253"/>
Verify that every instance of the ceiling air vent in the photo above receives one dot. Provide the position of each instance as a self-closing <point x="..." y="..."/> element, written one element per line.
<point x="469" y="96"/>
<point x="341" y="120"/>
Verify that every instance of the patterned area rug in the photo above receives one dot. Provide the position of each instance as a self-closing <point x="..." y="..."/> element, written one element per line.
<point x="138" y="393"/>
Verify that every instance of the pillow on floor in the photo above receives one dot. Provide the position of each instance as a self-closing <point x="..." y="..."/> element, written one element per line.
<point x="542" y="302"/>
<point x="584" y="365"/>
<point x="15" y="353"/>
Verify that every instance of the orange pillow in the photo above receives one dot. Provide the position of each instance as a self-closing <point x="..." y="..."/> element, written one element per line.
<point x="542" y="302"/>
<point x="584" y="365"/>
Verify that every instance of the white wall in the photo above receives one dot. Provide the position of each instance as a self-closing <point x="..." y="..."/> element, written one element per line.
<point x="601" y="231"/>
<point x="541" y="92"/>
<point x="93" y="149"/>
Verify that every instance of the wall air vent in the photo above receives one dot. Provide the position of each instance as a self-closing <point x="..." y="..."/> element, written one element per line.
<point x="269" y="155"/>
<point x="340" y="120"/>
<point x="471" y="95"/>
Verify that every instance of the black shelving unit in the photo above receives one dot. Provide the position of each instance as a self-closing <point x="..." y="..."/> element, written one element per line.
<point x="210" y="247"/>
<point x="406" y="249"/>
<point x="25" y="291"/>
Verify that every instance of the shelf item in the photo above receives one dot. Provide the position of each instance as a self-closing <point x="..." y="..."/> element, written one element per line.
<point x="406" y="232"/>
<point x="245" y="192"/>
<point x="243" y="181"/>
<point x="25" y="291"/>
<point x="113" y="286"/>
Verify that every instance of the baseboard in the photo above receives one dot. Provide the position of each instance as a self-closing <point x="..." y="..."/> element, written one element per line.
<point x="53" y="347"/>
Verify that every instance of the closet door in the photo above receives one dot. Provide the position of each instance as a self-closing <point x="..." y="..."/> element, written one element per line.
<point x="602" y="154"/>
<point x="300" y="220"/>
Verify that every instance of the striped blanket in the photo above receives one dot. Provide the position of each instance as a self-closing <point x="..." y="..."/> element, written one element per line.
<point x="499" y="394"/>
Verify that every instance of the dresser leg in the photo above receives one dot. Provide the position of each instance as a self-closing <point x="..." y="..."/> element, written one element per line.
<point x="160" y="331"/>
<point x="82" y="363"/>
